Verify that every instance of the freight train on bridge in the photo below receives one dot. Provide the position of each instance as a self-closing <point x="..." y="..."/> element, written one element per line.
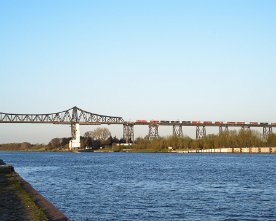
<point x="203" y="123"/>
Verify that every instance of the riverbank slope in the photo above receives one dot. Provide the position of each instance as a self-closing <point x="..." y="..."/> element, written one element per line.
<point x="19" y="201"/>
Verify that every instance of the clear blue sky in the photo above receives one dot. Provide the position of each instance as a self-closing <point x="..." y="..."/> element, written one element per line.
<point x="146" y="59"/>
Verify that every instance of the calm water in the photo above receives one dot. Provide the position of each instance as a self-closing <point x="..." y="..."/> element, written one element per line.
<point x="129" y="186"/>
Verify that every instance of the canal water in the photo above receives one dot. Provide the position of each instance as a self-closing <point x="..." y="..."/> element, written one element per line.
<point x="153" y="186"/>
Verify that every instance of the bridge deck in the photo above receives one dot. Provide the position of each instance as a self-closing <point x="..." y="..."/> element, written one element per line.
<point x="201" y="124"/>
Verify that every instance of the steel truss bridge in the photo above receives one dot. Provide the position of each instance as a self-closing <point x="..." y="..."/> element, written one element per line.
<point x="72" y="115"/>
<point x="76" y="116"/>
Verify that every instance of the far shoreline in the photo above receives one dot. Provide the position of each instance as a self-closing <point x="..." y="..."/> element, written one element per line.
<point x="236" y="150"/>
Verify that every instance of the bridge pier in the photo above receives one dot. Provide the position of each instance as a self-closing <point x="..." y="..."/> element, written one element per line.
<point x="75" y="132"/>
<point x="153" y="131"/>
<point x="128" y="133"/>
<point x="266" y="132"/>
<point x="226" y="129"/>
<point x="177" y="130"/>
<point x="200" y="132"/>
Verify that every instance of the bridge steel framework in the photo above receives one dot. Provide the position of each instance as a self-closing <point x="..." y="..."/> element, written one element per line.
<point x="200" y="132"/>
<point x="177" y="130"/>
<point x="153" y="131"/>
<point x="266" y="132"/>
<point x="72" y="115"/>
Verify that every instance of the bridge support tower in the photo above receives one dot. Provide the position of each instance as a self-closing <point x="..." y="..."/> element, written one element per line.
<point x="225" y="130"/>
<point x="128" y="133"/>
<point x="153" y="131"/>
<point x="266" y="132"/>
<point x="177" y="131"/>
<point x="75" y="131"/>
<point x="200" y="132"/>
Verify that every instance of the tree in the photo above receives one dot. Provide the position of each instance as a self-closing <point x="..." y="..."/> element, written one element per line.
<point x="115" y="140"/>
<point x="107" y="142"/>
<point x="98" y="134"/>
<point x="25" y="145"/>
<point x="64" y="141"/>
<point x="271" y="141"/>
<point x="55" y="142"/>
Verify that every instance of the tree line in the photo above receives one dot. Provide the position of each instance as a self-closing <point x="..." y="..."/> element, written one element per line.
<point x="229" y="139"/>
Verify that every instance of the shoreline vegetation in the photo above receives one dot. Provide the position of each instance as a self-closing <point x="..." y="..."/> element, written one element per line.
<point x="100" y="140"/>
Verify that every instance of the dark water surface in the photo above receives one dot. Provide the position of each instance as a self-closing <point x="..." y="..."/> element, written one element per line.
<point x="132" y="186"/>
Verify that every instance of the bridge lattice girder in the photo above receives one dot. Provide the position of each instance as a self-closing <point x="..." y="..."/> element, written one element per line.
<point x="72" y="115"/>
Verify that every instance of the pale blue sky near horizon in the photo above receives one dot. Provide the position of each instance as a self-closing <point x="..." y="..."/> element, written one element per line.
<point x="148" y="59"/>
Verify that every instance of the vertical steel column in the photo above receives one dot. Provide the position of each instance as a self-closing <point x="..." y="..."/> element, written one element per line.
<point x="221" y="131"/>
<point x="153" y="131"/>
<point x="200" y="132"/>
<point x="177" y="130"/>
<point x="226" y="129"/>
<point x="128" y="133"/>
<point x="266" y="132"/>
